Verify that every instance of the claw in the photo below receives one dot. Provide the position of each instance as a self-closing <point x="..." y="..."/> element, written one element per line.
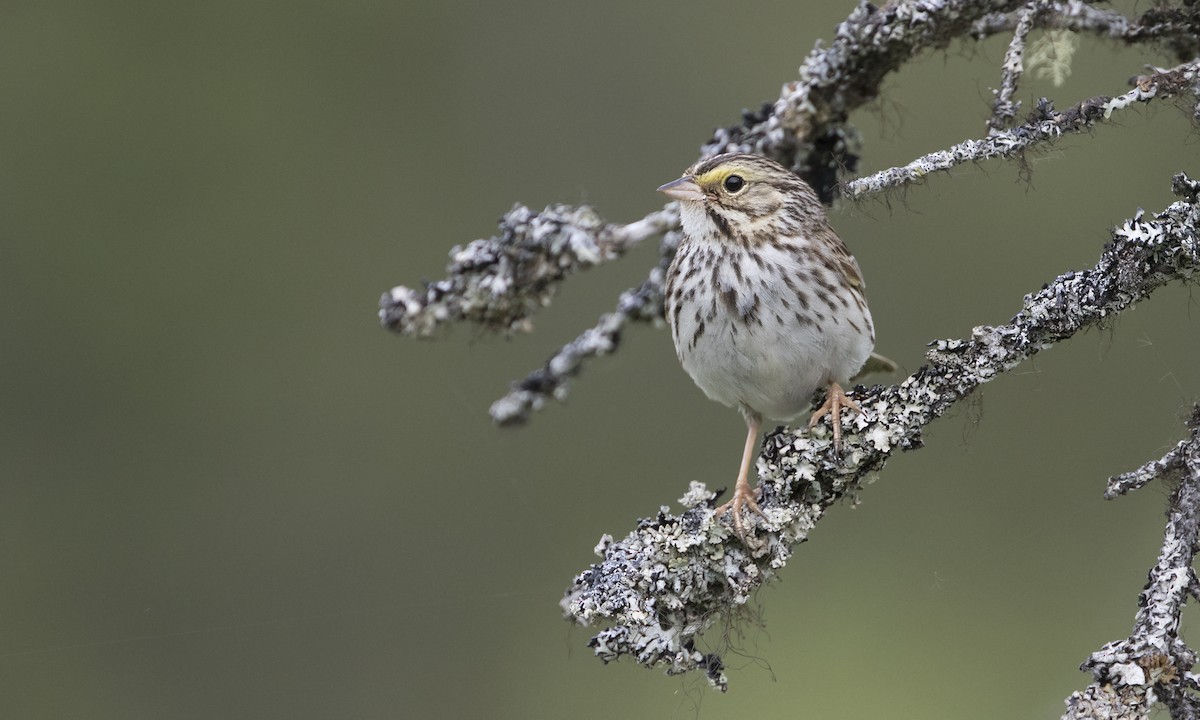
<point x="743" y="497"/>
<point x="835" y="400"/>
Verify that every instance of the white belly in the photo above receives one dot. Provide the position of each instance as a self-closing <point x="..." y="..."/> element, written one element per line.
<point x="771" y="362"/>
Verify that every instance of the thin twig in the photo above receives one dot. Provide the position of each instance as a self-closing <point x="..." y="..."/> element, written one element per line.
<point x="1004" y="109"/>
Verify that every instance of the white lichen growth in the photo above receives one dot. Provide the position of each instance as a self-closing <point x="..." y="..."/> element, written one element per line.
<point x="1050" y="56"/>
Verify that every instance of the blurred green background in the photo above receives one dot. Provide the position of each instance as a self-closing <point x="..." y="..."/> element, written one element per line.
<point x="226" y="492"/>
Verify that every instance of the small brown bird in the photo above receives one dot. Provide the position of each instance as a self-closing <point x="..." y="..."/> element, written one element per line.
<point x="764" y="301"/>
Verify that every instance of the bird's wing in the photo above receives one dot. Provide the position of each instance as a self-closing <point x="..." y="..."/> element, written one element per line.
<point x="845" y="263"/>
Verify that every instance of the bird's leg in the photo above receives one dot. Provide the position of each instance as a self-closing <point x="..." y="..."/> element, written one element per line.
<point x="743" y="496"/>
<point x="835" y="400"/>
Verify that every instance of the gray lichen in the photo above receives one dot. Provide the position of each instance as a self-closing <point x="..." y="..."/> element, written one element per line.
<point x="670" y="579"/>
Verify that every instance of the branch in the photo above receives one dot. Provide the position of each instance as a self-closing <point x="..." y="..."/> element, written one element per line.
<point x="1154" y="664"/>
<point x="671" y="578"/>
<point x="1045" y="126"/>
<point x="641" y="304"/>
<point x="1003" y="107"/>
<point x="499" y="282"/>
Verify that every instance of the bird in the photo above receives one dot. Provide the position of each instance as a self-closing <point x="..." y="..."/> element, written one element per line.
<point x="764" y="301"/>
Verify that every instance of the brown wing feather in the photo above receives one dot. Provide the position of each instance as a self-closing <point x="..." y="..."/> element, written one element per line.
<point x="837" y="256"/>
<point x="847" y="264"/>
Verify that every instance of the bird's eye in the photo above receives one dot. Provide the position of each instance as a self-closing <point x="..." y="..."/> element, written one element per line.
<point x="733" y="183"/>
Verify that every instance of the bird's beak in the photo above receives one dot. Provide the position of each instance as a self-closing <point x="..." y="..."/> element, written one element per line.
<point x="685" y="188"/>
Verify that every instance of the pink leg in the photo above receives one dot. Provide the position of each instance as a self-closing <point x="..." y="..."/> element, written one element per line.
<point x="743" y="496"/>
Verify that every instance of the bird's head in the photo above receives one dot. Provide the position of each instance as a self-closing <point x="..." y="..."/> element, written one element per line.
<point x="737" y="194"/>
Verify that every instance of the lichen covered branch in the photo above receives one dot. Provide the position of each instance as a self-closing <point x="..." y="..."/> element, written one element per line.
<point x="1166" y="468"/>
<point x="500" y="281"/>
<point x="669" y="580"/>
<point x="1004" y="108"/>
<point x="1154" y="664"/>
<point x="643" y="303"/>
<point x="1045" y="126"/>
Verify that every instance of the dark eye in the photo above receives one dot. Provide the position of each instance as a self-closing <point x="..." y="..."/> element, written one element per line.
<point x="733" y="183"/>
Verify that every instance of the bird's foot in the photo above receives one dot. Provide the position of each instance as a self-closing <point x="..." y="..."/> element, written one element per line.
<point x="835" y="400"/>
<point x="743" y="498"/>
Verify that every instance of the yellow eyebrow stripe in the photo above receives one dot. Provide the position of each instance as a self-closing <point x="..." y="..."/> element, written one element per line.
<point x="717" y="175"/>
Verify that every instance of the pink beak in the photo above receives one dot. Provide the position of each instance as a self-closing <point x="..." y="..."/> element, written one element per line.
<point x="685" y="189"/>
